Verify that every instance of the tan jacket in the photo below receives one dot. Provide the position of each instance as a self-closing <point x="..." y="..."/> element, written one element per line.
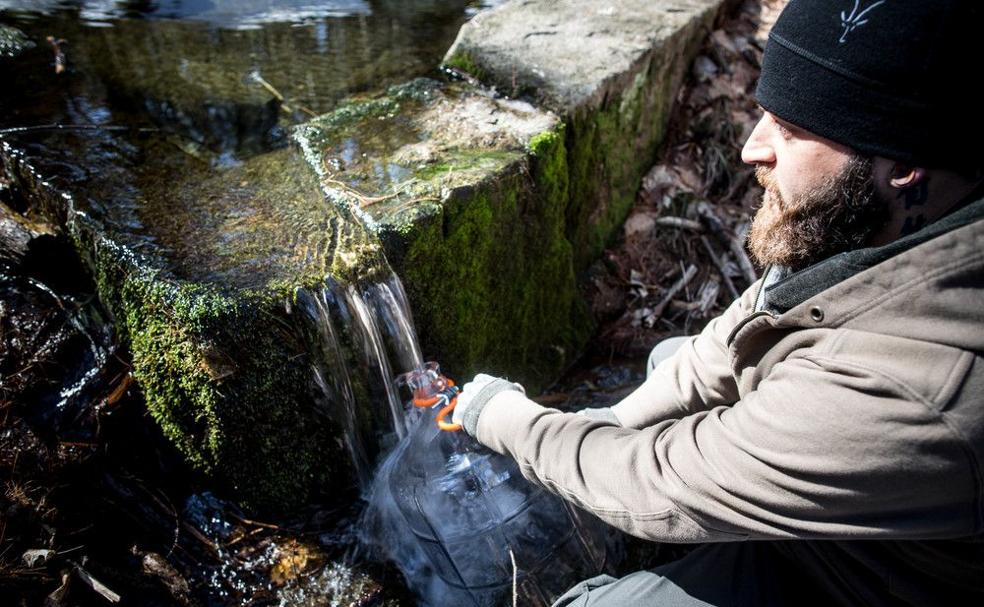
<point x="858" y="413"/>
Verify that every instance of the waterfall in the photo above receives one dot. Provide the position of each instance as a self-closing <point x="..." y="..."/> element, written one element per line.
<point x="360" y="336"/>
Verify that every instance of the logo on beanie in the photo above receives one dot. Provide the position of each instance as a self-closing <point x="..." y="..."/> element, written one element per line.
<point x="855" y="19"/>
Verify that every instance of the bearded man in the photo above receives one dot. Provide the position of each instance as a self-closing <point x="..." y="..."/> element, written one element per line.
<point x="834" y="414"/>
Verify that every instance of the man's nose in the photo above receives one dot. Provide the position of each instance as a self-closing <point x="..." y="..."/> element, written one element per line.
<point x="758" y="148"/>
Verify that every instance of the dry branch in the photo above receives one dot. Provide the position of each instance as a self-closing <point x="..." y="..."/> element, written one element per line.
<point x="678" y="286"/>
<point x="719" y="264"/>
<point x="679" y="223"/>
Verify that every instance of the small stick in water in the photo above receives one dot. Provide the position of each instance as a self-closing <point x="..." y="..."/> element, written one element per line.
<point x="56" y="44"/>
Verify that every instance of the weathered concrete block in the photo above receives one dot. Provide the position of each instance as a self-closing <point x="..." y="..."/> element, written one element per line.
<point x="197" y="268"/>
<point x="610" y="70"/>
<point x="468" y="194"/>
<point x="214" y="270"/>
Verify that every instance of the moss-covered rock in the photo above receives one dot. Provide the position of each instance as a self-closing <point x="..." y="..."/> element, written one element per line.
<point x="219" y="270"/>
<point x="218" y="278"/>
<point x="468" y="194"/>
<point x="199" y="269"/>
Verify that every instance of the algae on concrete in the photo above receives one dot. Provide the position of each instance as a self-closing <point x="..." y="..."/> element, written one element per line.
<point x="609" y="70"/>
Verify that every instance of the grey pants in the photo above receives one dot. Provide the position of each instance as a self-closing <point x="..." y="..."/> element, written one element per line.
<point x="745" y="574"/>
<point x="664" y="350"/>
<point x="741" y="574"/>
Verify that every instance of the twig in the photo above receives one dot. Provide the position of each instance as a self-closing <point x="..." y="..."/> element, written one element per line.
<point x="512" y="557"/>
<point x="364" y="200"/>
<point x="737" y="246"/>
<point x="195" y="533"/>
<point x="708" y="295"/>
<point x="720" y="267"/>
<point x="95" y="584"/>
<point x="75" y="127"/>
<point x="243" y="537"/>
<point x="273" y="91"/>
<point x="246" y="521"/>
<point x="679" y="223"/>
<point x="56" y="44"/>
<point x="462" y="75"/>
<point x="119" y="390"/>
<point x="678" y="286"/>
<point x="716" y="226"/>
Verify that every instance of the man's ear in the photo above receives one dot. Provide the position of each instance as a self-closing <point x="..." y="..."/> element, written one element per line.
<point x="904" y="176"/>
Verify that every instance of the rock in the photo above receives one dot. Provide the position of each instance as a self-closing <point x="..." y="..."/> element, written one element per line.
<point x="197" y="268"/>
<point x="15" y="237"/>
<point x="609" y="70"/>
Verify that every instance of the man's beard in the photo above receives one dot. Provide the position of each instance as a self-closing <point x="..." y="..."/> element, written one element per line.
<point x="839" y="214"/>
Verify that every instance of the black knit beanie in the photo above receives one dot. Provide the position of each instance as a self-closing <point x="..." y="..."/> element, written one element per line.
<point x="890" y="78"/>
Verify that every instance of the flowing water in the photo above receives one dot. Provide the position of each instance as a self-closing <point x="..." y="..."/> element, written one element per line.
<point x="373" y="321"/>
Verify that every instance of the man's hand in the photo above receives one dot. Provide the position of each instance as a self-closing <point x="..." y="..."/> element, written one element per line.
<point x="475" y="395"/>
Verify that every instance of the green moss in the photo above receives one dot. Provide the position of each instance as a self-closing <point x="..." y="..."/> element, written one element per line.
<point x="491" y="276"/>
<point x="225" y="376"/>
<point x="466" y="63"/>
<point x="611" y="148"/>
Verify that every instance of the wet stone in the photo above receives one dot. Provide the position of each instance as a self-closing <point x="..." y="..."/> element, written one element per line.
<point x="467" y="193"/>
<point x="394" y="155"/>
<point x="214" y="273"/>
<point x="198" y="266"/>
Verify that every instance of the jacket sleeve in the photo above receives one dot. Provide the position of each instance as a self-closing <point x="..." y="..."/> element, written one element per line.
<point x="817" y="451"/>
<point x="696" y="378"/>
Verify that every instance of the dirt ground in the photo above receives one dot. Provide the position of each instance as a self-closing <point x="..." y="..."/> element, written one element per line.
<point x="95" y="506"/>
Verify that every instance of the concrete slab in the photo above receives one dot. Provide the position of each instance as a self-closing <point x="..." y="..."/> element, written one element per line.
<point x="609" y="69"/>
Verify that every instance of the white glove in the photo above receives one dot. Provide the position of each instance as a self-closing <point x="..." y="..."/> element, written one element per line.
<point x="474" y="396"/>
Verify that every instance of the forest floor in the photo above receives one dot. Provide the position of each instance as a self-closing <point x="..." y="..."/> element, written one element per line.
<point x="680" y="259"/>
<point x="96" y="507"/>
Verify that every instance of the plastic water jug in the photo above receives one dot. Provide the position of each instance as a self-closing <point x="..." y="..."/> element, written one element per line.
<point x="472" y="515"/>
